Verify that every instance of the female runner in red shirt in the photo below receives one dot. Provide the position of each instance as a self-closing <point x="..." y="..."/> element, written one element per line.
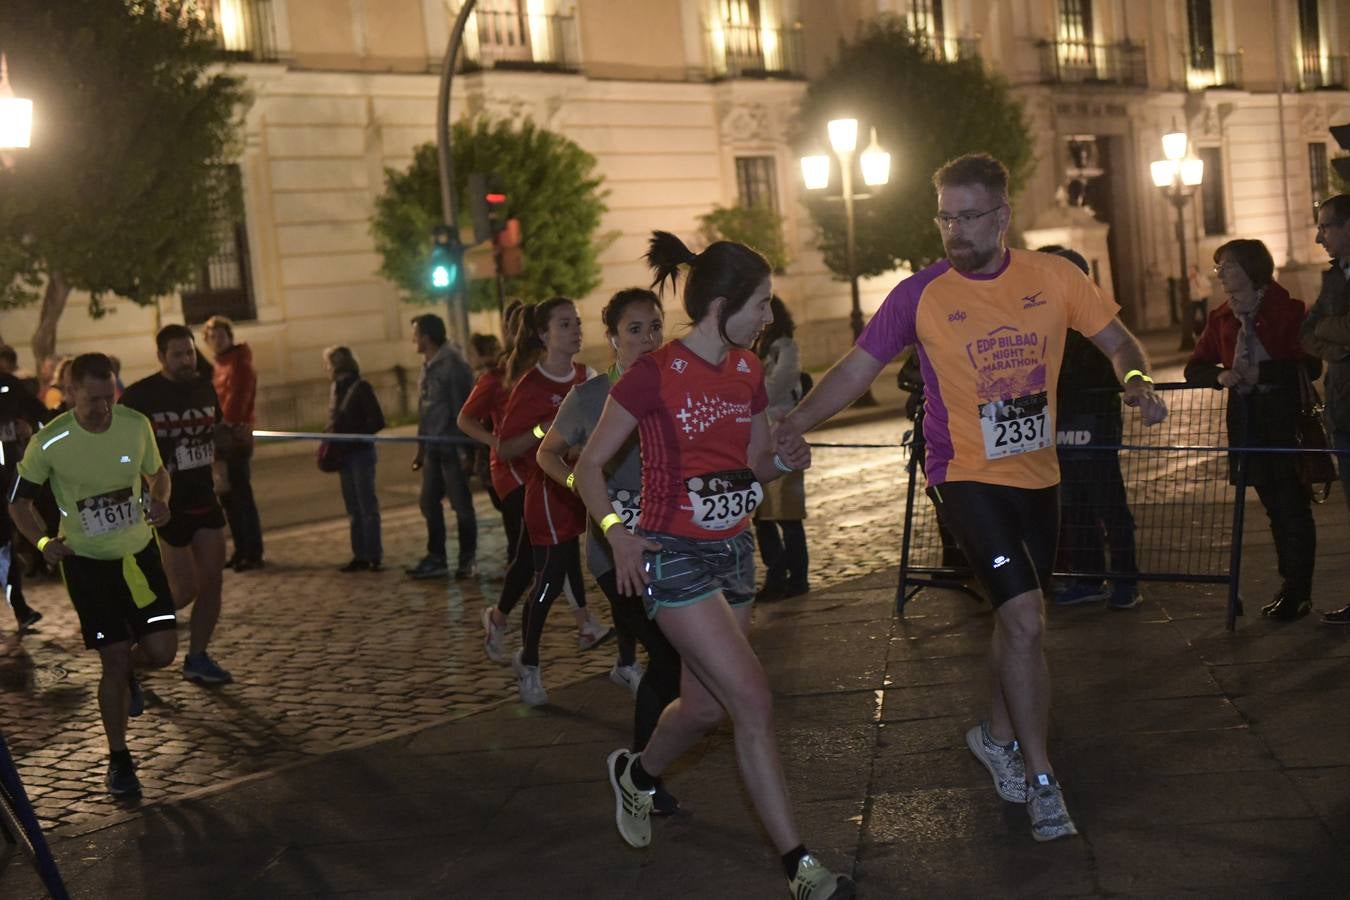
<point x="698" y="405"/>
<point x="554" y="517"/>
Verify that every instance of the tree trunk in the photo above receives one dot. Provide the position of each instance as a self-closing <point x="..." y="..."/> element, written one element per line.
<point x="53" y="304"/>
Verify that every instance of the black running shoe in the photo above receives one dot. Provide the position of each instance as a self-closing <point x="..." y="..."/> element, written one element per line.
<point x="122" y="780"/>
<point x="29" y="619"/>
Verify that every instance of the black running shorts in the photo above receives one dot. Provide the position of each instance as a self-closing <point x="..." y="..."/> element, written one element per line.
<point x="685" y="571"/>
<point x="119" y="599"/>
<point x="1008" y="534"/>
<point x="181" y="527"/>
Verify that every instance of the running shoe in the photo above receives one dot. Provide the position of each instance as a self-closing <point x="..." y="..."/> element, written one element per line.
<point x="627" y="676"/>
<point x="137" y="704"/>
<point x="663" y="801"/>
<point x="1125" y="596"/>
<point x="494" y="638"/>
<point x="531" y="689"/>
<point x="593" y="634"/>
<point x="356" y="565"/>
<point x="122" y="780"/>
<point x="815" y="882"/>
<point x="1005" y="764"/>
<point x="29" y="619"/>
<point x="467" y="571"/>
<point x="249" y="563"/>
<point x="200" y="668"/>
<point x="429" y="567"/>
<point x="1049" y="817"/>
<point x="632" y="806"/>
<point x="1079" y="593"/>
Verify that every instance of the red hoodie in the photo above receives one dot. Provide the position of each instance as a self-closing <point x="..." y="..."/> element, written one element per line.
<point x="236" y="385"/>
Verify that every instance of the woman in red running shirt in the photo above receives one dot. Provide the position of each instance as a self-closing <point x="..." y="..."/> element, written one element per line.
<point x="554" y="517"/>
<point x="698" y="405"/>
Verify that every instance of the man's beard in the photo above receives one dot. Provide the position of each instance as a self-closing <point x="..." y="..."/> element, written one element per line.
<point x="964" y="259"/>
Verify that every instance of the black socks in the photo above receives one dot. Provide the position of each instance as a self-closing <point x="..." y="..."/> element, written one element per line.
<point x="121" y="759"/>
<point x="791" y="859"/>
<point x="641" y="780"/>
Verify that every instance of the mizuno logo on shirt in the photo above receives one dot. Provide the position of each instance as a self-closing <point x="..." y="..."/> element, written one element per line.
<point x="742" y="366"/>
<point x="679" y="365"/>
<point x="1032" y="300"/>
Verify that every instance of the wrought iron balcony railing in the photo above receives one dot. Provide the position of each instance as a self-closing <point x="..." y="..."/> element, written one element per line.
<point x="245" y="29"/>
<point x="1214" y="70"/>
<point x="745" y="51"/>
<point x="951" y="49"/>
<point x="509" y="40"/>
<point x="1070" y="62"/>
<point x="1318" y="72"/>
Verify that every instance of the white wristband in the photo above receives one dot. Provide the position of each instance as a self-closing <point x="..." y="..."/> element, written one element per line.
<point x="780" y="465"/>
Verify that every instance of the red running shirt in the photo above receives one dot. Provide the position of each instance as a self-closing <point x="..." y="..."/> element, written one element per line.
<point x="694" y="428"/>
<point x="487" y="401"/>
<point x="553" y="514"/>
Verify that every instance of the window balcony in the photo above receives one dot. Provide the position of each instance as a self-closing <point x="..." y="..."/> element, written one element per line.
<point x="1077" y="62"/>
<point x="1222" y="71"/>
<point x="1318" y="72"/>
<point x="497" y="39"/>
<point x="745" y="51"/>
<point x="245" y="29"/>
<point x="952" y="49"/>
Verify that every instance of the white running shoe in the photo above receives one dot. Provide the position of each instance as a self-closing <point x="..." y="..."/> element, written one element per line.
<point x="632" y="806"/>
<point x="1005" y="764"/>
<point x="494" y="638"/>
<point x="531" y="689"/>
<point x="627" y="676"/>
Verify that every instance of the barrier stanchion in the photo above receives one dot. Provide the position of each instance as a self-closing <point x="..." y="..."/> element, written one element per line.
<point x="20" y="825"/>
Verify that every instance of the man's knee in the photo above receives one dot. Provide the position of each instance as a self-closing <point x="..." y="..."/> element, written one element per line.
<point x="1021" y="622"/>
<point x="159" y="648"/>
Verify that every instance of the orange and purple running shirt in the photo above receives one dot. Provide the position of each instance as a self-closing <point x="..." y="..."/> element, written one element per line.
<point x="990" y="348"/>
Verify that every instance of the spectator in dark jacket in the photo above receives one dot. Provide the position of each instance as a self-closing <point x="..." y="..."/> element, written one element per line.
<point x="1251" y="346"/>
<point x="354" y="409"/>
<point x="445" y="384"/>
<point x="236" y="385"/>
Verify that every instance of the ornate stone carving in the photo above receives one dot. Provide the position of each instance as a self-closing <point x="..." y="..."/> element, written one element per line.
<point x="746" y="123"/>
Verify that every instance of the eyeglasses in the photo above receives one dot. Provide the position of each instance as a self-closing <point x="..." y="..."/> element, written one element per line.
<point x="945" y="221"/>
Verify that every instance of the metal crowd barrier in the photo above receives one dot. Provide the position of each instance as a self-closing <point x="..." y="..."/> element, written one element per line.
<point x="19" y="827"/>
<point x="1157" y="505"/>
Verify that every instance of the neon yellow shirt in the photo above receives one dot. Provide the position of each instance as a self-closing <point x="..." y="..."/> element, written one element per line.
<point x="97" y="480"/>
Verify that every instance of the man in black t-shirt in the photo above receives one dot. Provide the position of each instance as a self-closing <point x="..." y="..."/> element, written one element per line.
<point x="20" y="416"/>
<point x="185" y="413"/>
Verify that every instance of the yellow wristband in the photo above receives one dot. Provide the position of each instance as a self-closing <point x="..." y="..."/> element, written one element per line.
<point x="538" y="432"/>
<point x="1133" y="372"/>
<point x="609" y="522"/>
<point x="42" y="543"/>
<point x="571" y="479"/>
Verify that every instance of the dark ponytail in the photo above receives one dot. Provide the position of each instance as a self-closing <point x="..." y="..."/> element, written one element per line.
<point x="529" y="346"/>
<point x="724" y="269"/>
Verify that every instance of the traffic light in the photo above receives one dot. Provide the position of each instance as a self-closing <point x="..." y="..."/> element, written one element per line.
<point x="1342" y="163"/>
<point x="487" y="205"/>
<point x="510" y="255"/>
<point x="446" y="265"/>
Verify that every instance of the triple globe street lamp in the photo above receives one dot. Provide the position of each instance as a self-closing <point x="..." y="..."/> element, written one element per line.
<point x="875" y="164"/>
<point x="1177" y="176"/>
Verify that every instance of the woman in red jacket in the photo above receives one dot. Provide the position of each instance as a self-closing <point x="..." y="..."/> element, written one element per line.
<point x="1251" y="346"/>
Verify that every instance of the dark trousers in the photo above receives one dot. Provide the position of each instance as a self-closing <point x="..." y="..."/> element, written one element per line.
<point x="1291" y="523"/>
<point x="444" y="477"/>
<point x="519" y="554"/>
<point x="13" y="582"/>
<point x="1341" y="441"/>
<point x="782" y="546"/>
<point x="661" y="682"/>
<point x="240" y="509"/>
<point x="357" y="477"/>
<point x="1093" y="505"/>
<point x="554" y="564"/>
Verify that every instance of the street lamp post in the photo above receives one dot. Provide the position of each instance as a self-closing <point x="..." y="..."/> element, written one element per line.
<point x="1177" y="176"/>
<point x="875" y="164"/>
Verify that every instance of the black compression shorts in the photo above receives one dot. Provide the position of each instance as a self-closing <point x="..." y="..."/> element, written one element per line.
<point x="180" y="528"/>
<point x="1008" y="534"/>
<point x="119" y="599"/>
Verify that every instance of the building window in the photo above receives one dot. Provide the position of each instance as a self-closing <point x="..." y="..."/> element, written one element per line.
<point x="754" y="39"/>
<point x="925" y="17"/>
<point x="222" y="284"/>
<point x="1075" y="21"/>
<point x="1211" y="192"/>
<point x="1310" y="42"/>
<point x="755" y="182"/>
<point x="1319" y="173"/>
<point x="1200" y="18"/>
<point x="507" y="34"/>
<point x="244" y="28"/>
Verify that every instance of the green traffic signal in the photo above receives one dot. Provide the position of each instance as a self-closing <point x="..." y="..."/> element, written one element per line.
<point x="445" y="260"/>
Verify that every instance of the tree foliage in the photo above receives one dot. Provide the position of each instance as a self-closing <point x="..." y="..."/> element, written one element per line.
<point x="925" y="111"/>
<point x="551" y="186"/>
<point x="755" y="226"/>
<point x="121" y="191"/>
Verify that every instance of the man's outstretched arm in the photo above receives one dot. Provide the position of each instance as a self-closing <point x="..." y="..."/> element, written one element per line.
<point x="845" y="382"/>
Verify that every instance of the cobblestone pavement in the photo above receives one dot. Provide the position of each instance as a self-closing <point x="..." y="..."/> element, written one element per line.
<point x="324" y="661"/>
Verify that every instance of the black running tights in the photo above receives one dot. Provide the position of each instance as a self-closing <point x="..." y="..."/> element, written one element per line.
<point x="661" y="682"/>
<point x="553" y="564"/>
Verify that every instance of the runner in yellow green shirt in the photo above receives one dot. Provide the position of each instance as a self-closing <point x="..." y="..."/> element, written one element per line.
<point x="98" y="457"/>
